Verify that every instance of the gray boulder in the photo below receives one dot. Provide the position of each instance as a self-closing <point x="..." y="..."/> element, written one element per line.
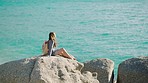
<point x="133" y="70"/>
<point x="45" y="70"/>
<point x="104" y="68"/>
<point x="17" y="71"/>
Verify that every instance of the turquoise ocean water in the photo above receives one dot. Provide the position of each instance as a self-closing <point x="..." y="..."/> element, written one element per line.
<point x="87" y="29"/>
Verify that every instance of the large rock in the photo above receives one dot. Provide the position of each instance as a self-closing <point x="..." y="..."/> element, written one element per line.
<point x="45" y="70"/>
<point x="104" y="68"/>
<point x="133" y="70"/>
<point x="17" y="71"/>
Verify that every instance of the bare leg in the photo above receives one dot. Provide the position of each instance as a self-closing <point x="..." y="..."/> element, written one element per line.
<point x="64" y="53"/>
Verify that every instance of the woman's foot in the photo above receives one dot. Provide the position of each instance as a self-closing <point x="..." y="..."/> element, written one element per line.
<point x="74" y="59"/>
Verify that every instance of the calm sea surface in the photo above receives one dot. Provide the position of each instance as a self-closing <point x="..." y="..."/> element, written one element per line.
<point x="117" y="30"/>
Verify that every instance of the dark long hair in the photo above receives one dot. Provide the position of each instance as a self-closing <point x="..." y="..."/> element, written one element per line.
<point x="52" y="36"/>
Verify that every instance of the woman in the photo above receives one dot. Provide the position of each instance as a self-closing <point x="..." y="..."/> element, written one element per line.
<point x="51" y="45"/>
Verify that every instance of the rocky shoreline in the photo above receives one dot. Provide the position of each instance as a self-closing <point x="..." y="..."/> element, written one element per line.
<point x="57" y="69"/>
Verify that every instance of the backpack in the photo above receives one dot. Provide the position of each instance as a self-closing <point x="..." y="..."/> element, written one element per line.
<point x="45" y="47"/>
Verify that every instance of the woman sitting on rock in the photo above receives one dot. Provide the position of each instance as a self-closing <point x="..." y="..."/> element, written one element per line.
<point x="49" y="48"/>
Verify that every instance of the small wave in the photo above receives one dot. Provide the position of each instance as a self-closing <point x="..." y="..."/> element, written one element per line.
<point x="105" y="34"/>
<point x="48" y="8"/>
<point x="145" y="42"/>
